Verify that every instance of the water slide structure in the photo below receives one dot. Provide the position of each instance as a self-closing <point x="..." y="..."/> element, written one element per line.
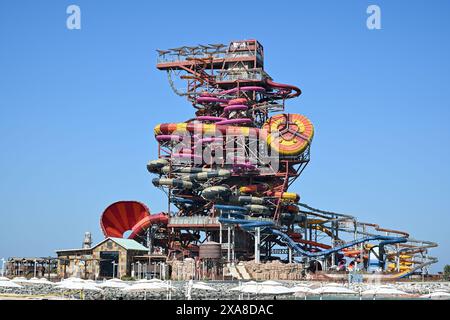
<point x="227" y="171"/>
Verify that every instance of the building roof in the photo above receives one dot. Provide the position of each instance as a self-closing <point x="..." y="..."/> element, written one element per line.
<point x="73" y="250"/>
<point x="127" y="244"/>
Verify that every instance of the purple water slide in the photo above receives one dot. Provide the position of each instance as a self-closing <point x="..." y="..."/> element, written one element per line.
<point x="210" y="99"/>
<point x="169" y="137"/>
<point x="245" y="166"/>
<point x="285" y="88"/>
<point x="210" y="118"/>
<point x="199" y="143"/>
<point x="186" y="155"/>
<point x="250" y="88"/>
<point x="209" y="140"/>
<point x="235" y="107"/>
<point x="234" y="121"/>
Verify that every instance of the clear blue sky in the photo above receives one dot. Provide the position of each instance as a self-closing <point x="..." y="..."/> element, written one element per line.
<point x="78" y="107"/>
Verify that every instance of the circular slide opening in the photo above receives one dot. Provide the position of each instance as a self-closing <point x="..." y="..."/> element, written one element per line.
<point x="119" y="219"/>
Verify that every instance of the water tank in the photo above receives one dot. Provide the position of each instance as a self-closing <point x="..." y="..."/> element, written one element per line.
<point x="87" y="241"/>
<point x="210" y="250"/>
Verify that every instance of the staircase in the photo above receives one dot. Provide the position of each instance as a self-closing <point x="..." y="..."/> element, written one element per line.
<point x="242" y="271"/>
<point x="238" y="271"/>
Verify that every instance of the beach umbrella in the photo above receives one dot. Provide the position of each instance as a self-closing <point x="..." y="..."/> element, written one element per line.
<point x="148" y="286"/>
<point x="9" y="284"/>
<point x="198" y="286"/>
<point x="251" y="288"/>
<point x="384" y="291"/>
<point x="77" y="286"/>
<point x="112" y="284"/>
<point x="243" y="284"/>
<point x="19" y="279"/>
<point x="274" y="289"/>
<point x="41" y="281"/>
<point x="154" y="280"/>
<point x="72" y="279"/>
<point x="437" y="295"/>
<point x="266" y="287"/>
<point x="202" y="286"/>
<point x="238" y="288"/>
<point x="300" y="289"/>
<point x="271" y="283"/>
<point x="145" y="286"/>
<point x="332" y="290"/>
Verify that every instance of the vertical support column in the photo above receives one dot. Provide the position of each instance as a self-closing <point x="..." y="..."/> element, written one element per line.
<point x="334" y="233"/>
<point x="229" y="245"/>
<point x="290" y="254"/>
<point x="361" y="256"/>
<point x="306" y="228"/>
<point x="397" y="258"/>
<point x="257" y="244"/>
<point x="233" y="253"/>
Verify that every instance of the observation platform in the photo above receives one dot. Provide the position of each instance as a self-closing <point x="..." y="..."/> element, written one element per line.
<point x="194" y="222"/>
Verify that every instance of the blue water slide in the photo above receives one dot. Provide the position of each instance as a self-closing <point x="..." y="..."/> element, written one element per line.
<point x="296" y="247"/>
<point x="181" y="200"/>
<point x="248" y="224"/>
<point x="230" y="209"/>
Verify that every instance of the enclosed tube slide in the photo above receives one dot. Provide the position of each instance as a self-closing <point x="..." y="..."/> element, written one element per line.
<point x="290" y="134"/>
<point x="286" y="87"/>
<point x="132" y="216"/>
<point x="247" y="224"/>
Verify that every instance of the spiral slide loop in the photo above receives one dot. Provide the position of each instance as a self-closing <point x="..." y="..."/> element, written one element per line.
<point x="289" y="134"/>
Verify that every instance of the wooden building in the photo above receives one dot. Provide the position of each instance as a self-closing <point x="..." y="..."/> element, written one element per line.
<point x="112" y="257"/>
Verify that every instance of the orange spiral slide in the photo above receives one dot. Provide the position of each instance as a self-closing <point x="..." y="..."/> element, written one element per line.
<point x="289" y="134"/>
<point x="134" y="216"/>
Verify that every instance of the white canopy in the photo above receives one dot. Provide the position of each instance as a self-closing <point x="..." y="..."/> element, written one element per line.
<point x="437" y="295"/>
<point x="251" y="288"/>
<point x="154" y="280"/>
<point x="202" y="286"/>
<point x="266" y="287"/>
<point x="277" y="289"/>
<point x="112" y="283"/>
<point x="148" y="286"/>
<point x="238" y="288"/>
<point x="332" y="290"/>
<point x="271" y="283"/>
<point x="300" y="289"/>
<point x="76" y="285"/>
<point x="72" y="279"/>
<point x="19" y="279"/>
<point x="41" y="281"/>
<point x="384" y="291"/>
<point x="9" y="284"/>
<point x="115" y="280"/>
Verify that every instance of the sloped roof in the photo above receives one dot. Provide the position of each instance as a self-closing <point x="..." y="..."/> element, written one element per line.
<point x="127" y="244"/>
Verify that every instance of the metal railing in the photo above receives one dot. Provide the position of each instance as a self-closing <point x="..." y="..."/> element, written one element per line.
<point x="241" y="74"/>
<point x="193" y="220"/>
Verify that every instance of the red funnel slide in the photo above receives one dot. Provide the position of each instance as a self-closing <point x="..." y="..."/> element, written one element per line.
<point x="124" y="216"/>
